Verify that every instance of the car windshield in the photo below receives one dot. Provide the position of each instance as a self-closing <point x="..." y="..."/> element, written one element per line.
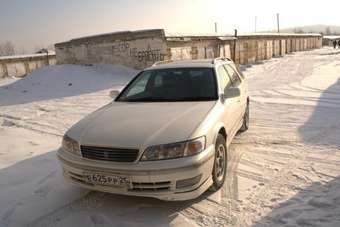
<point x="171" y="85"/>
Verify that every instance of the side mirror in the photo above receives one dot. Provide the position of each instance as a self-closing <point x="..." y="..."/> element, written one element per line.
<point x="114" y="93"/>
<point x="232" y="92"/>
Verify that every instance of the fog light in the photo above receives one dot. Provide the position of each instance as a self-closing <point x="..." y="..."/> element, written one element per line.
<point x="188" y="182"/>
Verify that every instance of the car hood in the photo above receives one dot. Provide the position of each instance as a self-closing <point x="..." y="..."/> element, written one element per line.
<point x="133" y="125"/>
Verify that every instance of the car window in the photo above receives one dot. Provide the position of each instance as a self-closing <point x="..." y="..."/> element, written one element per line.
<point x="235" y="79"/>
<point x="223" y="78"/>
<point x="237" y="69"/>
<point x="140" y="84"/>
<point x="158" y="81"/>
<point x="170" y="85"/>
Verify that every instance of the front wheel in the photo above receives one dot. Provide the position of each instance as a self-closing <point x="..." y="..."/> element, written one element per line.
<point x="245" y="124"/>
<point x="220" y="163"/>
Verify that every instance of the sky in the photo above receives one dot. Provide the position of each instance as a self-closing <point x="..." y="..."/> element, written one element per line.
<point x="32" y="24"/>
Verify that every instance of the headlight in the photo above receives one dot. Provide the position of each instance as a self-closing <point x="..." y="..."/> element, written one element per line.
<point x="174" y="150"/>
<point x="70" y="145"/>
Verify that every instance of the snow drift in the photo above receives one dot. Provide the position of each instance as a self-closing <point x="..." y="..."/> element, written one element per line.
<point x="59" y="81"/>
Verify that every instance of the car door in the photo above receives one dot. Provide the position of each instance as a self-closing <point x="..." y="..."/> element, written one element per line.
<point x="237" y="81"/>
<point x="229" y="105"/>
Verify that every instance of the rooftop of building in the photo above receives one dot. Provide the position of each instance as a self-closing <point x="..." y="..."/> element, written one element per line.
<point x="119" y="35"/>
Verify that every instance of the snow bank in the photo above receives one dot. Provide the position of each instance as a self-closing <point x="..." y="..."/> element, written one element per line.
<point x="58" y="81"/>
<point x="26" y="56"/>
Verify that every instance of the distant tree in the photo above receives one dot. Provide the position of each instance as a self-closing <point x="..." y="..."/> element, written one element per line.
<point x="7" y="49"/>
<point x="50" y="47"/>
<point x="22" y="51"/>
<point x="328" y="31"/>
<point x="37" y="48"/>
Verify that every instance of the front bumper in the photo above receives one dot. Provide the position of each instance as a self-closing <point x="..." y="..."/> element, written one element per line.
<point x="177" y="179"/>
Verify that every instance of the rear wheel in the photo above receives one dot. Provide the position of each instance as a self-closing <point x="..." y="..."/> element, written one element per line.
<point x="220" y="163"/>
<point x="245" y="124"/>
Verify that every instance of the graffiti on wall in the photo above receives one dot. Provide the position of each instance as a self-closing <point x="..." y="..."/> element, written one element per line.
<point x="120" y="47"/>
<point x="147" y="55"/>
<point x="141" y="55"/>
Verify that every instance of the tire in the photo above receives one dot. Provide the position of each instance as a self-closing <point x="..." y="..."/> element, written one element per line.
<point x="245" y="124"/>
<point x="220" y="163"/>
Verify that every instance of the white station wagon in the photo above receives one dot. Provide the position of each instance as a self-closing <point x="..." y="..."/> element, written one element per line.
<point x="165" y="135"/>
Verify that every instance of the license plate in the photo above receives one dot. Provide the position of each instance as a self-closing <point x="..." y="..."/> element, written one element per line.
<point x="104" y="179"/>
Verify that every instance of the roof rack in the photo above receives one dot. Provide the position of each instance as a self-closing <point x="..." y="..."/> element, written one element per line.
<point x="220" y="59"/>
<point x="161" y="62"/>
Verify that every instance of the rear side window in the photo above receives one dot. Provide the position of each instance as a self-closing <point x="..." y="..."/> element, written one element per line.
<point x="158" y="79"/>
<point x="235" y="79"/>
<point x="237" y="69"/>
<point x="223" y="78"/>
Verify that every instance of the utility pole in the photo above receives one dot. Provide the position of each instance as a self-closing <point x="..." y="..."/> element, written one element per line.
<point x="255" y="24"/>
<point x="278" y="22"/>
<point x="215" y="27"/>
<point x="235" y="43"/>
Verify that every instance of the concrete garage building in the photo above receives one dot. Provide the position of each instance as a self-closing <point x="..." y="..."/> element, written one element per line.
<point x="140" y="49"/>
<point x="328" y="39"/>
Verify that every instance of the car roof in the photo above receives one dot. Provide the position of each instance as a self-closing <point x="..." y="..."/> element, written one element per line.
<point x="197" y="63"/>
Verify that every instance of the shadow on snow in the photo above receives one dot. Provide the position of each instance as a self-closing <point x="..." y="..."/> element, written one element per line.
<point x="316" y="205"/>
<point x="323" y="126"/>
<point x="319" y="203"/>
<point x="34" y="193"/>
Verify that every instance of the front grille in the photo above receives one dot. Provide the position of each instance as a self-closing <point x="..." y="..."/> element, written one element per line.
<point x="109" y="154"/>
<point x="150" y="187"/>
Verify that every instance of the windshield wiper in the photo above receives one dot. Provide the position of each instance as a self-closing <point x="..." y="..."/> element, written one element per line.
<point x="198" y="98"/>
<point x="148" y="99"/>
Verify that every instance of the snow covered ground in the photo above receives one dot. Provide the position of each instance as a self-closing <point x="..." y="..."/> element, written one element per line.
<point x="285" y="171"/>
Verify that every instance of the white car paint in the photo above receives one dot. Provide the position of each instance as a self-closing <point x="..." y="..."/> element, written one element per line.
<point x="140" y="125"/>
